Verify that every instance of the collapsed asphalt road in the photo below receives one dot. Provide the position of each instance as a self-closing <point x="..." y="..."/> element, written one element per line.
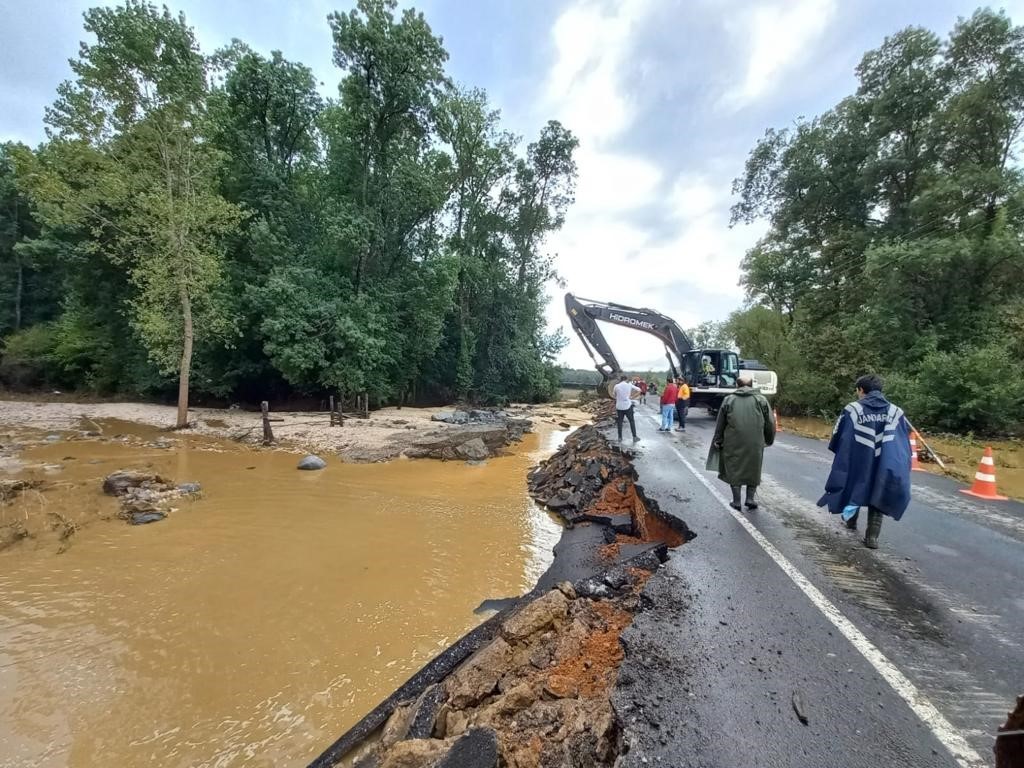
<point x="782" y="641"/>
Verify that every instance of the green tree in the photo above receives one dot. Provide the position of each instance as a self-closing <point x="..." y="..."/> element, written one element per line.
<point x="711" y="335"/>
<point x="132" y="124"/>
<point x="393" y="241"/>
<point x="896" y="225"/>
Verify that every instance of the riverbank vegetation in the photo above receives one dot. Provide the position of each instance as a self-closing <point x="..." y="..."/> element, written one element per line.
<point x="213" y="222"/>
<point x="895" y="241"/>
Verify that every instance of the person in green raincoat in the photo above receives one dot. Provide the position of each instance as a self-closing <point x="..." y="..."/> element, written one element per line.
<point x="745" y="426"/>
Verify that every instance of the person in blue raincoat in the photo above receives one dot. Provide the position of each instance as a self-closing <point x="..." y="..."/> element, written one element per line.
<point x="871" y="468"/>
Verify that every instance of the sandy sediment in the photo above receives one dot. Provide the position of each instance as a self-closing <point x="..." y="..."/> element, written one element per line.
<point x="383" y="436"/>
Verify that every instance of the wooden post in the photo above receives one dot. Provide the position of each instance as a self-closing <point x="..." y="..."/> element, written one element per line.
<point x="332" y="421"/>
<point x="366" y="405"/>
<point x="268" y="433"/>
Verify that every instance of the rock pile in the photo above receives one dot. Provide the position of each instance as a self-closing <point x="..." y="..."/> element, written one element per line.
<point x="588" y="480"/>
<point x="600" y="407"/>
<point x="144" y="495"/>
<point x="537" y="694"/>
<point x="469" y="440"/>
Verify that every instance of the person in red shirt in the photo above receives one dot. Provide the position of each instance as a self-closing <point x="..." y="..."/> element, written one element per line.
<point x="668" y="405"/>
<point x="643" y="391"/>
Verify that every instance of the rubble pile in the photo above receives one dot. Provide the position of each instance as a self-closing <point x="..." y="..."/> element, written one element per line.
<point x="600" y="407"/>
<point x="145" y="496"/>
<point x="469" y="436"/>
<point x="589" y="480"/>
<point x="537" y="694"/>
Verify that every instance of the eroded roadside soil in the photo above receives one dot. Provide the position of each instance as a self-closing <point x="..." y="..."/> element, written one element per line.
<point x="533" y="687"/>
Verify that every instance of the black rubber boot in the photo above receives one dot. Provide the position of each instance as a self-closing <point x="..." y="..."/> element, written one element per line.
<point x="735" y="497"/>
<point x="852" y="522"/>
<point x="874" y="527"/>
<point x="751" y="500"/>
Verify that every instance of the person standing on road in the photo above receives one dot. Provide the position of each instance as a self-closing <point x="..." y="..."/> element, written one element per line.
<point x="625" y="391"/>
<point x="871" y="468"/>
<point x="643" y="391"/>
<point x="668" y="405"/>
<point x="745" y="426"/>
<point x="682" y="403"/>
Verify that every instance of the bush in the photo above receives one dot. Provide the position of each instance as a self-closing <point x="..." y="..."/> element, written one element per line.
<point x="973" y="390"/>
<point x="28" y="358"/>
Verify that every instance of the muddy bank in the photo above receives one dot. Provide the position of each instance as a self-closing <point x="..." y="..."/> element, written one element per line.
<point x="387" y="434"/>
<point x="533" y="686"/>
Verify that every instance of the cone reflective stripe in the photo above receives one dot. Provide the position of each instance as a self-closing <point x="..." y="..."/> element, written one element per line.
<point x="985" y="479"/>
<point x="915" y="465"/>
<point x="778" y="426"/>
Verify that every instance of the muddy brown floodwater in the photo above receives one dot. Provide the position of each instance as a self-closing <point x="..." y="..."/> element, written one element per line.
<point x="254" y="625"/>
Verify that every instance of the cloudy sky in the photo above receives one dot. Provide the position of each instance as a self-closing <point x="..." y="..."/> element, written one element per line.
<point x="666" y="96"/>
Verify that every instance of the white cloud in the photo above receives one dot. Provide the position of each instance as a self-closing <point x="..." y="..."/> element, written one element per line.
<point x="607" y="249"/>
<point x="694" y="195"/>
<point x="591" y="44"/>
<point x="778" y="37"/>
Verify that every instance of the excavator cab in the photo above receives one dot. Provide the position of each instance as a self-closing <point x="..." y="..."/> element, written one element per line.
<point x="711" y="368"/>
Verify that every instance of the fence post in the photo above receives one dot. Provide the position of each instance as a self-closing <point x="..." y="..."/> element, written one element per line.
<point x="268" y="433"/>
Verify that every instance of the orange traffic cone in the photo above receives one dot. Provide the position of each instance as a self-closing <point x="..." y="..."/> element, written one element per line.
<point x="985" y="479"/>
<point x="915" y="465"/>
<point x="778" y="424"/>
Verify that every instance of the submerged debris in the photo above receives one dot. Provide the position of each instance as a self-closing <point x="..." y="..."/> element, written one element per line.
<point x="144" y="495"/>
<point x="11" y="489"/>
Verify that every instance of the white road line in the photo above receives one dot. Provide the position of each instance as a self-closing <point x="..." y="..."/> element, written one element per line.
<point x="944" y="731"/>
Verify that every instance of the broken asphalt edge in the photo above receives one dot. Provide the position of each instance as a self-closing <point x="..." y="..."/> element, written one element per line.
<point x="647" y="557"/>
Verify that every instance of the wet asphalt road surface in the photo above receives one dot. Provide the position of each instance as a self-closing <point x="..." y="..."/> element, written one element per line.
<point x="732" y="652"/>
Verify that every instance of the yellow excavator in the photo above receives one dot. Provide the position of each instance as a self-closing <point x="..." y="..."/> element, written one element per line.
<point x="711" y="373"/>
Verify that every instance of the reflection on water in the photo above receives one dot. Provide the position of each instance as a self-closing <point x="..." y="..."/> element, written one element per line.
<point x="253" y="626"/>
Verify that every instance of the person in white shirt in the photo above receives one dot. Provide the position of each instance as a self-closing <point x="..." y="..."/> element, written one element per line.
<point x="625" y="391"/>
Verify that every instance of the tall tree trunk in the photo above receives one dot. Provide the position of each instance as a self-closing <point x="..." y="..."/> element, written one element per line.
<point x="18" y="288"/>
<point x="186" y="356"/>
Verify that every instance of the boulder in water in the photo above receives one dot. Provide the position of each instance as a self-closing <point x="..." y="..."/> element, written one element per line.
<point x="141" y="518"/>
<point x="312" y="462"/>
<point x="190" y="488"/>
<point x="473" y="450"/>
<point x="118" y="483"/>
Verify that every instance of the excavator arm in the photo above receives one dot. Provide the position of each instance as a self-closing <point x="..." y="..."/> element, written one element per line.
<point x="584" y="314"/>
<point x="708" y="385"/>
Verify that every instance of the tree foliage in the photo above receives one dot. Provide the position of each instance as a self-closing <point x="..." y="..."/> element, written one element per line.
<point x="895" y="239"/>
<point x="389" y="240"/>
